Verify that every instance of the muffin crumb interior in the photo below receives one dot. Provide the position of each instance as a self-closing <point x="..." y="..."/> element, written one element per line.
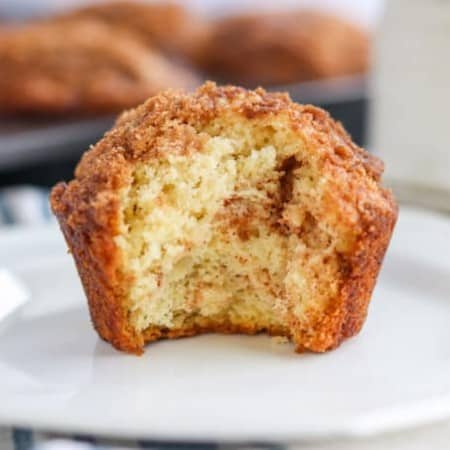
<point x="227" y="235"/>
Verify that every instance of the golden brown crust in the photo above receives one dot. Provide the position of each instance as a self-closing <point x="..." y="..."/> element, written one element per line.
<point x="359" y="268"/>
<point x="283" y="48"/>
<point x="209" y="326"/>
<point x="94" y="68"/>
<point x="87" y="226"/>
<point x="87" y="208"/>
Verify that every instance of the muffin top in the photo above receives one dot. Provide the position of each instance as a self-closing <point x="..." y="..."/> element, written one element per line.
<point x="174" y="122"/>
<point x="80" y="65"/>
<point x="283" y="47"/>
<point x="167" y="26"/>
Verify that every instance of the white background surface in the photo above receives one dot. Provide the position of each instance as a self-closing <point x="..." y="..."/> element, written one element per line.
<point x="411" y="93"/>
<point x="54" y="371"/>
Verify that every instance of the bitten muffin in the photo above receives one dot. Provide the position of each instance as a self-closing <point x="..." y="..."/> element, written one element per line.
<point x="167" y="26"/>
<point x="228" y="211"/>
<point x="80" y="66"/>
<point x="283" y="47"/>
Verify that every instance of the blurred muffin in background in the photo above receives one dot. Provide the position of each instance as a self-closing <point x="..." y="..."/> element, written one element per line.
<point x="80" y="66"/>
<point x="283" y="47"/>
<point x="167" y="26"/>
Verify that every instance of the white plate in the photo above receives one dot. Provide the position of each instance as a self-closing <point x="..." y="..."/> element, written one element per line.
<point x="56" y="374"/>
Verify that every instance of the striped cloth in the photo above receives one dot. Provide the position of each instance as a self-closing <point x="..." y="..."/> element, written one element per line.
<point x="26" y="439"/>
<point x="24" y="205"/>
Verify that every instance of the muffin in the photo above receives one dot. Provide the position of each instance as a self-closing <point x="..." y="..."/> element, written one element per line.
<point x="228" y="211"/>
<point x="167" y="26"/>
<point x="283" y="47"/>
<point x="81" y="66"/>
